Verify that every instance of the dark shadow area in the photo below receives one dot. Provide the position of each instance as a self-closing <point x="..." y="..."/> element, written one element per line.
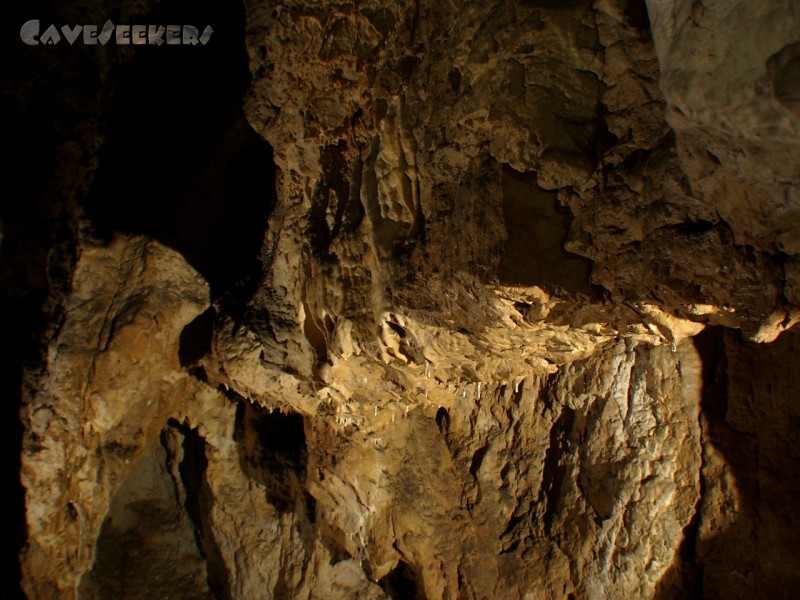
<point x="328" y="537"/>
<point x="273" y="452"/>
<point x="335" y="205"/>
<point x="554" y="473"/>
<point x="636" y="15"/>
<point x="198" y="505"/>
<point x="148" y="540"/>
<point x="180" y="163"/>
<point x="177" y="161"/>
<point x="684" y="579"/>
<point x="743" y="542"/>
<point x="401" y="583"/>
<point x="443" y="421"/>
<point x="784" y="74"/>
<point x="537" y="228"/>
<point x="554" y="4"/>
<point x="23" y="289"/>
<point x="36" y="244"/>
<point x="195" y="340"/>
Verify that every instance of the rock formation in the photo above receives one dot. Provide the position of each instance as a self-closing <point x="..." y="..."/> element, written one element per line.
<point x="431" y="300"/>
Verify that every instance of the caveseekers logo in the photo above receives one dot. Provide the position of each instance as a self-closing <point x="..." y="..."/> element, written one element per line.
<point x="123" y="35"/>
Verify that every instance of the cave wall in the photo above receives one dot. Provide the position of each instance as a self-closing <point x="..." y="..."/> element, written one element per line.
<point x="441" y="300"/>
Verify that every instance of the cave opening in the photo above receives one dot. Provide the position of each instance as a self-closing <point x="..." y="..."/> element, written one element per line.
<point x="273" y="452"/>
<point x="636" y="15"/>
<point x="401" y="583"/>
<point x="32" y="237"/>
<point x="443" y="420"/>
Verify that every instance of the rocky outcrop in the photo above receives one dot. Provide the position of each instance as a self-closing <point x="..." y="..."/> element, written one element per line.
<point x="393" y="485"/>
<point x="113" y="378"/>
<point x="517" y="327"/>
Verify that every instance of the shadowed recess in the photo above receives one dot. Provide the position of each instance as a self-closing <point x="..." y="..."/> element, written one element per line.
<point x="180" y="162"/>
<point x="537" y="227"/>
<point x="272" y="452"/>
<point x="195" y="341"/>
<point x="148" y="531"/>
<point x="751" y="471"/>
<point x="401" y="583"/>
<point x="198" y="504"/>
<point x="32" y="237"/>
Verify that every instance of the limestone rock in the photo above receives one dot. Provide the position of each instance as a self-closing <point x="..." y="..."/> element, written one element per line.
<point x="113" y="377"/>
<point x="488" y="347"/>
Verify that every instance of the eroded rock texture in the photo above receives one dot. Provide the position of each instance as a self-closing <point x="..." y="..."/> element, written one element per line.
<point x="511" y="324"/>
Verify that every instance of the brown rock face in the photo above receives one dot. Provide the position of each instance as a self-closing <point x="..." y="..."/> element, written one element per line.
<point x="502" y="310"/>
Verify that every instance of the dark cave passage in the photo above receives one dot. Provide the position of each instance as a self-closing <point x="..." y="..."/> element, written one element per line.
<point x="195" y="340"/>
<point x="198" y="504"/>
<point x="273" y="452"/>
<point x="180" y="163"/>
